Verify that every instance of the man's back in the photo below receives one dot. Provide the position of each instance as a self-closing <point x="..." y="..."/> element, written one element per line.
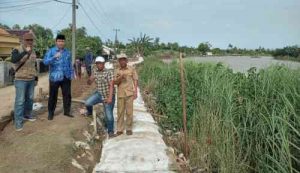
<point x="88" y="58"/>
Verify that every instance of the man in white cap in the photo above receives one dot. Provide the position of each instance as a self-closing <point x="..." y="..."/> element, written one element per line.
<point x="104" y="94"/>
<point x="127" y="80"/>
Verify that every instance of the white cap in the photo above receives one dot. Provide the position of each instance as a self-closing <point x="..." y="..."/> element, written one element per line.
<point x="99" y="59"/>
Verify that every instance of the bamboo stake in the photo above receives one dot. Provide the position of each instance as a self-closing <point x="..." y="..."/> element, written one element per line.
<point x="95" y="121"/>
<point x="40" y="95"/>
<point x="183" y="95"/>
<point x="73" y="100"/>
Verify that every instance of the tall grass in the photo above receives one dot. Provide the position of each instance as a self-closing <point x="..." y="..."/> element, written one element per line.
<point x="236" y="122"/>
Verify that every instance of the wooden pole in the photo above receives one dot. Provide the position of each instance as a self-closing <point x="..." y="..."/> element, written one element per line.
<point x="73" y="100"/>
<point x="95" y="121"/>
<point x="183" y="95"/>
<point x="40" y="95"/>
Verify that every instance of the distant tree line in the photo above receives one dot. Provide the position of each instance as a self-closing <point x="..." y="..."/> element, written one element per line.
<point x="45" y="39"/>
<point x="289" y="52"/>
<point x="145" y="44"/>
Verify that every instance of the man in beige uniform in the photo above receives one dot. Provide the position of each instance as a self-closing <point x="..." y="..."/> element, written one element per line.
<point x="127" y="80"/>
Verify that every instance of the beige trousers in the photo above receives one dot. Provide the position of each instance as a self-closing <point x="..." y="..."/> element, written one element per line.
<point x="125" y="106"/>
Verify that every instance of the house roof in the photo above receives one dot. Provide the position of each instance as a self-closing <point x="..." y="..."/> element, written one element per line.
<point x="3" y="32"/>
<point x="19" y="32"/>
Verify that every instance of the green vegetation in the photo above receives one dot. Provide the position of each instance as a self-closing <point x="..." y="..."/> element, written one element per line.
<point x="140" y="45"/>
<point x="45" y="39"/>
<point x="203" y="48"/>
<point x="144" y="45"/>
<point x="236" y="122"/>
<point x="83" y="40"/>
<point x="288" y="53"/>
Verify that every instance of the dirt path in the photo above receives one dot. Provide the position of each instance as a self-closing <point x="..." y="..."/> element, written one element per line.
<point x="47" y="146"/>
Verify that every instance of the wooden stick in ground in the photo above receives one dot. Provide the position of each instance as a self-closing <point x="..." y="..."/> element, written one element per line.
<point x="40" y="95"/>
<point x="73" y="100"/>
<point x="95" y="122"/>
<point x="183" y="95"/>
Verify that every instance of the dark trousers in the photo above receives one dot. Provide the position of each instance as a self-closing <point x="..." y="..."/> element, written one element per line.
<point x="89" y="70"/>
<point x="53" y="92"/>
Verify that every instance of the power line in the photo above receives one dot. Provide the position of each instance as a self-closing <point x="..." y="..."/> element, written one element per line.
<point x="24" y="5"/>
<point x="99" y="16"/>
<point x="61" y="19"/>
<point x="62" y="2"/>
<point x="110" y="20"/>
<point x="103" y="15"/>
<point x="20" y="1"/>
<point x="20" y="8"/>
<point x="17" y="9"/>
<point x="90" y="19"/>
<point x="27" y="6"/>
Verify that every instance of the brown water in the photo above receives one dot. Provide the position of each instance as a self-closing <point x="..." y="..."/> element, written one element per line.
<point x="243" y="63"/>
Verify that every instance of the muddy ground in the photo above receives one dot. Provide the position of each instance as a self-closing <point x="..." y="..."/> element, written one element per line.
<point x="48" y="146"/>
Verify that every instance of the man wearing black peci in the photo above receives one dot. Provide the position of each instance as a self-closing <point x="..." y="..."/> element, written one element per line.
<point x="61" y="73"/>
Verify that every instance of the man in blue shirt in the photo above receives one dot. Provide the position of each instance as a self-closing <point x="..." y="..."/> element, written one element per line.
<point x="61" y="73"/>
<point x="88" y="60"/>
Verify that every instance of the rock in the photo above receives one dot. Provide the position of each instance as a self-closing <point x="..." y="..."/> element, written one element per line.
<point x="168" y="132"/>
<point x="181" y="155"/>
<point x="201" y="170"/>
<point x="171" y="150"/>
<point x="37" y="106"/>
<point x="77" y="165"/>
<point x="90" y="156"/>
<point x="97" y="137"/>
<point x="82" y="111"/>
<point x="80" y="144"/>
<point x="179" y="134"/>
<point x="198" y="170"/>
<point x="87" y="135"/>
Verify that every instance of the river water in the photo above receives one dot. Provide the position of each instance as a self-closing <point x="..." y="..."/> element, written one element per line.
<point x="243" y="63"/>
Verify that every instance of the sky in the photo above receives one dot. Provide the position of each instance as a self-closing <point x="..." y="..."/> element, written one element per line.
<point x="242" y="23"/>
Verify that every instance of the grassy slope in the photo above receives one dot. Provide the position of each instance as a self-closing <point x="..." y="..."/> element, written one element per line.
<point x="237" y="123"/>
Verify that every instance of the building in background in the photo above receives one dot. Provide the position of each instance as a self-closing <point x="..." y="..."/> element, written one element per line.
<point x="7" y="43"/>
<point x="9" y="39"/>
<point x="209" y="53"/>
<point x="19" y="33"/>
<point x="107" y="52"/>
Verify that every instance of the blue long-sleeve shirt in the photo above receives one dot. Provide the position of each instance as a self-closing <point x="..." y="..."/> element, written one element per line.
<point x="88" y="59"/>
<point x="59" y="67"/>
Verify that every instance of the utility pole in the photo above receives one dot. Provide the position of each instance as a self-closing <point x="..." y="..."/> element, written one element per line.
<point x="74" y="6"/>
<point x="116" y="39"/>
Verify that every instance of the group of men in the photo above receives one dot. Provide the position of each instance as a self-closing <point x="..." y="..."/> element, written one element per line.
<point x="61" y="73"/>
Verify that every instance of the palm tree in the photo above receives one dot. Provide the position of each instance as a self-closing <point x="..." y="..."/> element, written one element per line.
<point x="141" y="44"/>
